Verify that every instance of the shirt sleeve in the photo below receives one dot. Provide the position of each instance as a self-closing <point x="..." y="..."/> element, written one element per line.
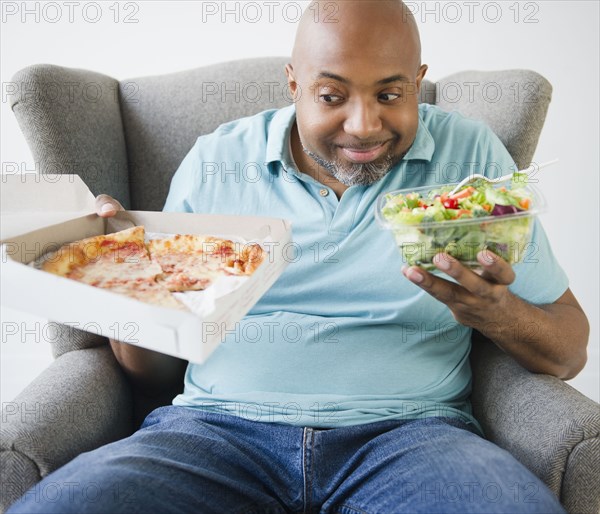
<point x="498" y="161"/>
<point x="539" y="277"/>
<point x="183" y="182"/>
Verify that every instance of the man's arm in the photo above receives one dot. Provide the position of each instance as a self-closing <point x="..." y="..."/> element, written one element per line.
<point x="150" y="372"/>
<point x="549" y="339"/>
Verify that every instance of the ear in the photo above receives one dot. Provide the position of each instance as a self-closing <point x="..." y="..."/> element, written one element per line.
<point x="291" y="80"/>
<point x="420" y="74"/>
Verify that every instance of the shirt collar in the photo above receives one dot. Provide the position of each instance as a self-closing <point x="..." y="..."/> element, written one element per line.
<point x="281" y="127"/>
<point x="423" y="146"/>
<point x="278" y="136"/>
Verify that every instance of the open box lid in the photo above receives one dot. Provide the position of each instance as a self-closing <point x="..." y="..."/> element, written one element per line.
<point x="30" y="201"/>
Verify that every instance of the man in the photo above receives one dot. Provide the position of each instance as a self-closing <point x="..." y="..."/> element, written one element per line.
<point x="356" y="410"/>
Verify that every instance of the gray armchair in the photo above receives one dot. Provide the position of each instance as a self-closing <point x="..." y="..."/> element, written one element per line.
<point x="127" y="139"/>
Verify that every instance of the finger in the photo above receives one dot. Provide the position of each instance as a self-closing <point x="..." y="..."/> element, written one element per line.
<point x="467" y="278"/>
<point x="495" y="272"/>
<point x="414" y="274"/>
<point x="442" y="290"/>
<point x="107" y="206"/>
<point x="495" y="268"/>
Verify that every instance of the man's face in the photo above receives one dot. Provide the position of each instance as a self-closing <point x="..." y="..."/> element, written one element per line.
<point x="356" y="103"/>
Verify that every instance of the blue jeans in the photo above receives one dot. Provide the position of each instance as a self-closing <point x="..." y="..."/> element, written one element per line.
<point x="190" y="461"/>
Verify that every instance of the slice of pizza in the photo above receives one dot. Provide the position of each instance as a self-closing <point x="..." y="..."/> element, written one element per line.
<point x="119" y="262"/>
<point x="124" y="246"/>
<point x="193" y="262"/>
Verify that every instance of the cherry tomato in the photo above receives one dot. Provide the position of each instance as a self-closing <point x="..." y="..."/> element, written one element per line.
<point x="450" y="203"/>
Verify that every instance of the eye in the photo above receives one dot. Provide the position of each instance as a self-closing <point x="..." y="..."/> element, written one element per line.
<point x="389" y="97"/>
<point x="330" y="99"/>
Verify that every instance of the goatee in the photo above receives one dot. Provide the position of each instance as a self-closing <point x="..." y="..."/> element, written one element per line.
<point x="356" y="174"/>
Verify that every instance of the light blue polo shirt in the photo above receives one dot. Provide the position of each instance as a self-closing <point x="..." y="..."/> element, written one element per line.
<point x="342" y="338"/>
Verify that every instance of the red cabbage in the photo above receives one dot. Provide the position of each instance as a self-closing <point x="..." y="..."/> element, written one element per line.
<point x="501" y="210"/>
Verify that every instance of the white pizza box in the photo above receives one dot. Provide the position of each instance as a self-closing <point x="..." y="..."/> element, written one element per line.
<point x="40" y="213"/>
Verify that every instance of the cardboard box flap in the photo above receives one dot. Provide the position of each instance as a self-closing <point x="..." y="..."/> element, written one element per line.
<point x="30" y="201"/>
<point x="33" y="192"/>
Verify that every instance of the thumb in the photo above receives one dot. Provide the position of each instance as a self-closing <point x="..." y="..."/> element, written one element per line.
<point x="107" y="206"/>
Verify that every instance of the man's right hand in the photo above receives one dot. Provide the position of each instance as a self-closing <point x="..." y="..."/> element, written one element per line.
<point x="152" y="373"/>
<point x="107" y="206"/>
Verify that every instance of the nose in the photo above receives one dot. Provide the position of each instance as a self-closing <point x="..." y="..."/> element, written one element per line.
<point x="363" y="119"/>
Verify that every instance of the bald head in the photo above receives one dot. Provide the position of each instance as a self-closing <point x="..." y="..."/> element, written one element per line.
<point x="357" y="26"/>
<point x="355" y="76"/>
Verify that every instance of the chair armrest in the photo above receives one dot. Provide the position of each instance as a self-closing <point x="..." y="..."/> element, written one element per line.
<point x="80" y="402"/>
<point x="546" y="424"/>
<point x="67" y="338"/>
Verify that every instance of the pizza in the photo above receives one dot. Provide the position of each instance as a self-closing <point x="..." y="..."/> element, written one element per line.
<point x="192" y="262"/>
<point x="151" y="271"/>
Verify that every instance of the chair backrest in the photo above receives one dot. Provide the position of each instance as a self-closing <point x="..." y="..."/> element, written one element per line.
<point x="127" y="138"/>
<point x="168" y="113"/>
<point x="513" y="103"/>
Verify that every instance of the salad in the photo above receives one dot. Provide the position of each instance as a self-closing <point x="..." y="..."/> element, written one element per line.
<point x="479" y="216"/>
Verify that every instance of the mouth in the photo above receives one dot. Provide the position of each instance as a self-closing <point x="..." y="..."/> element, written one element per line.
<point x="364" y="155"/>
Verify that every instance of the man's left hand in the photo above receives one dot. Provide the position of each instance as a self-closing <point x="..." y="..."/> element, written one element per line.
<point x="478" y="298"/>
<point x="549" y="338"/>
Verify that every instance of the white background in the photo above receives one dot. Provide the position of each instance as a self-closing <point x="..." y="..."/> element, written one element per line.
<point x="558" y="39"/>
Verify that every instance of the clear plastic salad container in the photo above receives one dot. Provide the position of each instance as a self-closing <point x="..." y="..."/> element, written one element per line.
<point x="427" y="220"/>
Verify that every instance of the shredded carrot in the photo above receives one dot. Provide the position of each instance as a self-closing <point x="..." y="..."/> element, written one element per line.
<point x="462" y="211"/>
<point x="525" y="203"/>
<point x="465" y="193"/>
